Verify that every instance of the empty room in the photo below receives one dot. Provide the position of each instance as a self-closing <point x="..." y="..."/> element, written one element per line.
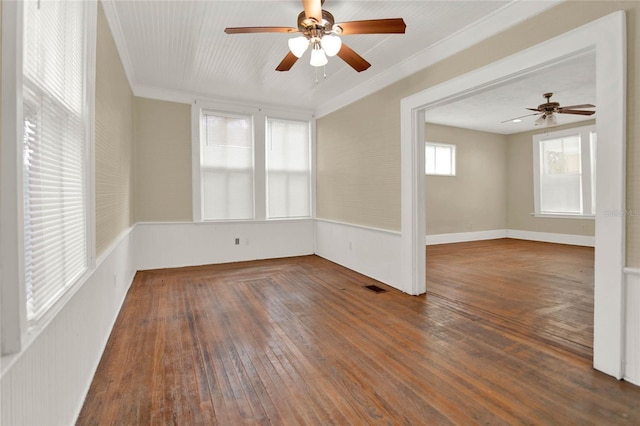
<point x="320" y="212"/>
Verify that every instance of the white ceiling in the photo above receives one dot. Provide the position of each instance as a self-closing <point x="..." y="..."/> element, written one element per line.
<point x="178" y="49"/>
<point x="572" y="82"/>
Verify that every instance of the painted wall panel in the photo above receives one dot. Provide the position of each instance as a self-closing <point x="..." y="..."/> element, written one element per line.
<point x="167" y="245"/>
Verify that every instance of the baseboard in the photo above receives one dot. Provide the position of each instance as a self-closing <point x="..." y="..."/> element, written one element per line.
<point x="459" y="237"/>
<point x="368" y="251"/>
<point x="174" y="244"/>
<point x="548" y="237"/>
<point x="632" y="326"/>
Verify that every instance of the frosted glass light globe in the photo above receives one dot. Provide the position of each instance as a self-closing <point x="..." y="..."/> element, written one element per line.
<point x="298" y="45"/>
<point x="318" y="58"/>
<point x="331" y="44"/>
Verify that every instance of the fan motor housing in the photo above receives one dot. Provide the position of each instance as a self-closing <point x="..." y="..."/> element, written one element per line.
<point x="549" y="106"/>
<point x="307" y="26"/>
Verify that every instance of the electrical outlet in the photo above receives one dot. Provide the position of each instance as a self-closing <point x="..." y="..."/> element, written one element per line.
<point x="237" y="241"/>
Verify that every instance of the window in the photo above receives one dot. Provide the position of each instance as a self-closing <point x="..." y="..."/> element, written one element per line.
<point x="248" y="165"/>
<point x="55" y="146"/>
<point x="564" y="172"/>
<point x="227" y="166"/>
<point x="440" y="159"/>
<point x="288" y="169"/>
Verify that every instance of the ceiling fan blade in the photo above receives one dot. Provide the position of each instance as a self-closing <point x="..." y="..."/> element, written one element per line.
<point x="356" y="61"/>
<point x="287" y="62"/>
<point x="577" y="106"/>
<point x="250" y="30"/>
<point x="575" y="111"/>
<point x="313" y="9"/>
<point x="516" y="118"/>
<point x="374" y="26"/>
<point x="534" y="109"/>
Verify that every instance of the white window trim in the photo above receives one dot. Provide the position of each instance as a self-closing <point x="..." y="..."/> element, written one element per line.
<point x="586" y="171"/>
<point x="16" y="334"/>
<point x="259" y="116"/>
<point x="453" y="160"/>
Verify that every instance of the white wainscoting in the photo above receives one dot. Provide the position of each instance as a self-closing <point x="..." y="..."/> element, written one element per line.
<point x="369" y="251"/>
<point x="46" y="383"/>
<point x="176" y="244"/>
<point x="632" y="322"/>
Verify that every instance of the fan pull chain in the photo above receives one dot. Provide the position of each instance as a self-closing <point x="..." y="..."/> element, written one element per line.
<point x="324" y="73"/>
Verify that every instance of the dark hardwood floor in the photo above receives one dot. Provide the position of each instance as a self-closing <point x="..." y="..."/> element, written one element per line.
<point x="541" y="290"/>
<point x="301" y="341"/>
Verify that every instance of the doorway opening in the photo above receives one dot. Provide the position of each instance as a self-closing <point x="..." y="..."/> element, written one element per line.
<point x="606" y="36"/>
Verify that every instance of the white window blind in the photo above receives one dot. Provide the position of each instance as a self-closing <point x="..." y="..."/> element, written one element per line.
<point x="440" y="159"/>
<point x="564" y="167"/>
<point x="227" y="167"/>
<point x="55" y="138"/>
<point x="560" y="175"/>
<point x="288" y="169"/>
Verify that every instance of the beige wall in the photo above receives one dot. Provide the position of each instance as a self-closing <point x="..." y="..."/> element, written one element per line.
<point x="476" y="198"/>
<point x="163" y="161"/>
<point x="366" y="133"/>
<point x="357" y="165"/>
<point x="520" y="197"/>
<point x="113" y="141"/>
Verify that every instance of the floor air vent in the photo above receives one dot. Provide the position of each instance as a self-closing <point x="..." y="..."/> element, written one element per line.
<point x="375" y="288"/>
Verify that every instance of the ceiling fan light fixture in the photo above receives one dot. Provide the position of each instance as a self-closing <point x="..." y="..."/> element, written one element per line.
<point x="331" y="44"/>
<point x="298" y="45"/>
<point x="318" y="58"/>
<point x="540" y="120"/>
<point x="552" y="120"/>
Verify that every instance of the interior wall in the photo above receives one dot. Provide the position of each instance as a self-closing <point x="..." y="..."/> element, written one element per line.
<point x="520" y="197"/>
<point x="475" y="199"/>
<point x="163" y="161"/>
<point x="357" y="164"/>
<point x="357" y="141"/>
<point x="113" y="141"/>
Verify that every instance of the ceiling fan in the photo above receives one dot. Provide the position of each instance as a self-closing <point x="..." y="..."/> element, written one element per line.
<point x="317" y="28"/>
<point x="549" y="109"/>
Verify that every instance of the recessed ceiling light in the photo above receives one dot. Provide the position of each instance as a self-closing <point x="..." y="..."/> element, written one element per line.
<point x="517" y="120"/>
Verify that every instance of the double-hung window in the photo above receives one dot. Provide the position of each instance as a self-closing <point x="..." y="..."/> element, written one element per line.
<point x="56" y="149"/>
<point x="564" y="172"/>
<point x="288" y="168"/>
<point x="250" y="165"/>
<point x="226" y="168"/>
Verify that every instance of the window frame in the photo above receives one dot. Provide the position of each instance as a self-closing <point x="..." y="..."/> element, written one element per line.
<point x="17" y="332"/>
<point x="259" y="116"/>
<point x="452" y="148"/>
<point x="310" y="164"/>
<point x="210" y="112"/>
<point x="586" y="179"/>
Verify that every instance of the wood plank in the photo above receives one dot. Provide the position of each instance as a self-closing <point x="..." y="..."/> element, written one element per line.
<point x="300" y="341"/>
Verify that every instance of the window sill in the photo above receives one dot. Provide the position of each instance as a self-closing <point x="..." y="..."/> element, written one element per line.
<point x="563" y="216"/>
